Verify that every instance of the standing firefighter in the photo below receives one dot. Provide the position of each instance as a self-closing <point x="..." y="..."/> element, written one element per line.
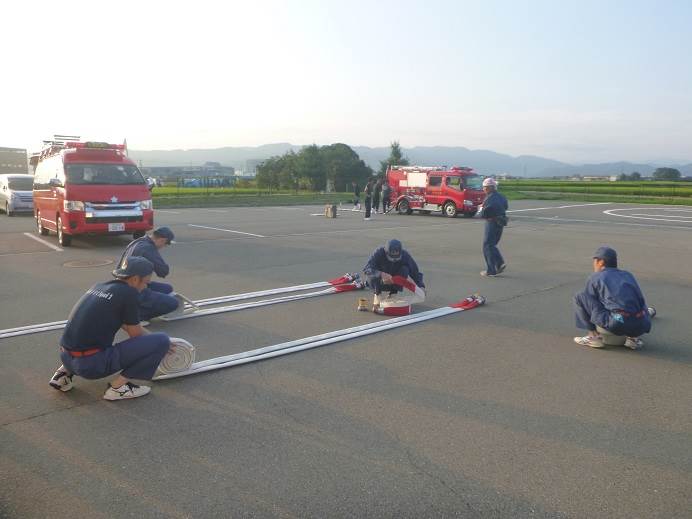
<point x="494" y="211"/>
<point x="367" y="192"/>
<point x="376" y="193"/>
<point x="386" y="194"/>
<point x="86" y="346"/>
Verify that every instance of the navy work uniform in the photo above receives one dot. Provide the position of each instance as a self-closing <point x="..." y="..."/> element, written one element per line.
<point x="494" y="211"/>
<point x="612" y="300"/>
<point x="395" y="261"/>
<point x="154" y="300"/>
<point x="86" y="347"/>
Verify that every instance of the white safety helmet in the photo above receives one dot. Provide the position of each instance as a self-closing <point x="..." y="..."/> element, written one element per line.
<point x="489" y="182"/>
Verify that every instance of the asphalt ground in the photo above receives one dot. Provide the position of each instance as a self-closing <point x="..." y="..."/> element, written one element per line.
<point x="489" y="413"/>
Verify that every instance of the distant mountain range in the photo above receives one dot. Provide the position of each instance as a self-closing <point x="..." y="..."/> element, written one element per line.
<point x="484" y="161"/>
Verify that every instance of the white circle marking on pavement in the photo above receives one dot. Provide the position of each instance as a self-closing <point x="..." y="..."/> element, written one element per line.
<point x="647" y="216"/>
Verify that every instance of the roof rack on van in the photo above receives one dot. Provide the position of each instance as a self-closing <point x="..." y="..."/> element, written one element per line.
<point x="61" y="142"/>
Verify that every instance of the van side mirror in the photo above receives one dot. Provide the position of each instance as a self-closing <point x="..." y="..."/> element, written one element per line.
<point x="55" y="182"/>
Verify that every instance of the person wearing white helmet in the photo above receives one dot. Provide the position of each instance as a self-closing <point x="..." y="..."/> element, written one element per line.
<point x="494" y="210"/>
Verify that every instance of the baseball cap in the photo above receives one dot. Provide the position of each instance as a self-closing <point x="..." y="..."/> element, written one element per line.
<point x="607" y="254"/>
<point x="489" y="182"/>
<point x="165" y="232"/>
<point x="134" y="266"/>
<point x="393" y="250"/>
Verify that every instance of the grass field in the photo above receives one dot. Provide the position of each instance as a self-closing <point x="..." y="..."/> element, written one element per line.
<point x="626" y="192"/>
<point x="222" y="197"/>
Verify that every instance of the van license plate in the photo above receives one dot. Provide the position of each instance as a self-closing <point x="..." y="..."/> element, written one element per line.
<point x="116" y="227"/>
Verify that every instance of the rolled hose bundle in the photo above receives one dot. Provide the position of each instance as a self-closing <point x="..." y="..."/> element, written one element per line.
<point x="180" y="359"/>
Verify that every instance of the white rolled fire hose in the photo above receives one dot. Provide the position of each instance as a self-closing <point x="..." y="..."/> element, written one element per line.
<point x="323" y="339"/>
<point x="344" y="281"/>
<point x="179" y="359"/>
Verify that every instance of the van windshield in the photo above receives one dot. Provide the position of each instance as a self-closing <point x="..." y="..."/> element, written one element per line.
<point x="473" y="182"/>
<point x="112" y="174"/>
<point x="21" y="184"/>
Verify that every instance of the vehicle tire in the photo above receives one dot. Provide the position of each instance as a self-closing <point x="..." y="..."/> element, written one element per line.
<point x="7" y="209"/>
<point x="65" y="240"/>
<point x="138" y="234"/>
<point x="470" y="214"/>
<point x="403" y="207"/>
<point x="39" y="225"/>
<point x="450" y="209"/>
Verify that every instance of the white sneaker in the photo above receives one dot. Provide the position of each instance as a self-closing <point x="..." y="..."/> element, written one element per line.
<point x="634" y="343"/>
<point x="590" y="340"/>
<point x="61" y="381"/>
<point x="126" y="391"/>
<point x="366" y="219"/>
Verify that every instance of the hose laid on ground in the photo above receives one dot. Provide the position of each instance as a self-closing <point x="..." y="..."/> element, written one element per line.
<point x="323" y="339"/>
<point x="179" y="359"/>
<point x="344" y="281"/>
<point x="256" y="304"/>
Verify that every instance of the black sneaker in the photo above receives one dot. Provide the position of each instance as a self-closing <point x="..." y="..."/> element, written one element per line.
<point x="126" y="391"/>
<point x="62" y="381"/>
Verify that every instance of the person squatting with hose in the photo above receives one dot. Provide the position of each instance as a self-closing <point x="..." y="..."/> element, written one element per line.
<point x="494" y="211"/>
<point x="86" y="346"/>
<point x="613" y="301"/>
<point x="385" y="262"/>
<point x="157" y="298"/>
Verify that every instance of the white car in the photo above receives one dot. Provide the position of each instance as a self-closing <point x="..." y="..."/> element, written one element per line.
<point x="16" y="193"/>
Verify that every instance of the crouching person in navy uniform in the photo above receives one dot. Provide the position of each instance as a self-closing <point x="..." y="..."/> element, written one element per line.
<point x="391" y="260"/>
<point x="86" y="347"/>
<point x="157" y="298"/>
<point x="612" y="301"/>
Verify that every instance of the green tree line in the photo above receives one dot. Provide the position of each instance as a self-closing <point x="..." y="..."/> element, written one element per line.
<point x="314" y="168"/>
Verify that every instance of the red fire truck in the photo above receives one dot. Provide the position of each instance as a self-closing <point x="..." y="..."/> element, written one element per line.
<point x="89" y="188"/>
<point x="427" y="189"/>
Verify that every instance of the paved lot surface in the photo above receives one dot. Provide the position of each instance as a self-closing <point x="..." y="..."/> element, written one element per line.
<point x="489" y="413"/>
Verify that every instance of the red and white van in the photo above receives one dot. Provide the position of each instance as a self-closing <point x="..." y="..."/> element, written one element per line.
<point x="89" y="188"/>
<point x="427" y="189"/>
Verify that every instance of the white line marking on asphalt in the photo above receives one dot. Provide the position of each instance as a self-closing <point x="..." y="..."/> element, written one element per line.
<point x="671" y="218"/>
<point x="44" y="242"/>
<point x="558" y="207"/>
<point x="666" y="216"/>
<point x="606" y="222"/>
<point x="679" y="210"/>
<point x="25" y="253"/>
<point x="215" y="210"/>
<point x="225" y="230"/>
<point x="167" y="211"/>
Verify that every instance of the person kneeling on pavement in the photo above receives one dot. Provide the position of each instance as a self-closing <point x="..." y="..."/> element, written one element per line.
<point x="87" y="349"/>
<point x="613" y="303"/>
<point x="385" y="262"/>
<point x="157" y="298"/>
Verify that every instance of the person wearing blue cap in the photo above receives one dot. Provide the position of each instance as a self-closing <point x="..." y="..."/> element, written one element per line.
<point x="86" y="346"/>
<point x="157" y="298"/>
<point x="612" y="301"/>
<point x="391" y="260"/>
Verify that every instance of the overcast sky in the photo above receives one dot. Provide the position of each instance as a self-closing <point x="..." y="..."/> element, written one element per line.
<point x="578" y="81"/>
